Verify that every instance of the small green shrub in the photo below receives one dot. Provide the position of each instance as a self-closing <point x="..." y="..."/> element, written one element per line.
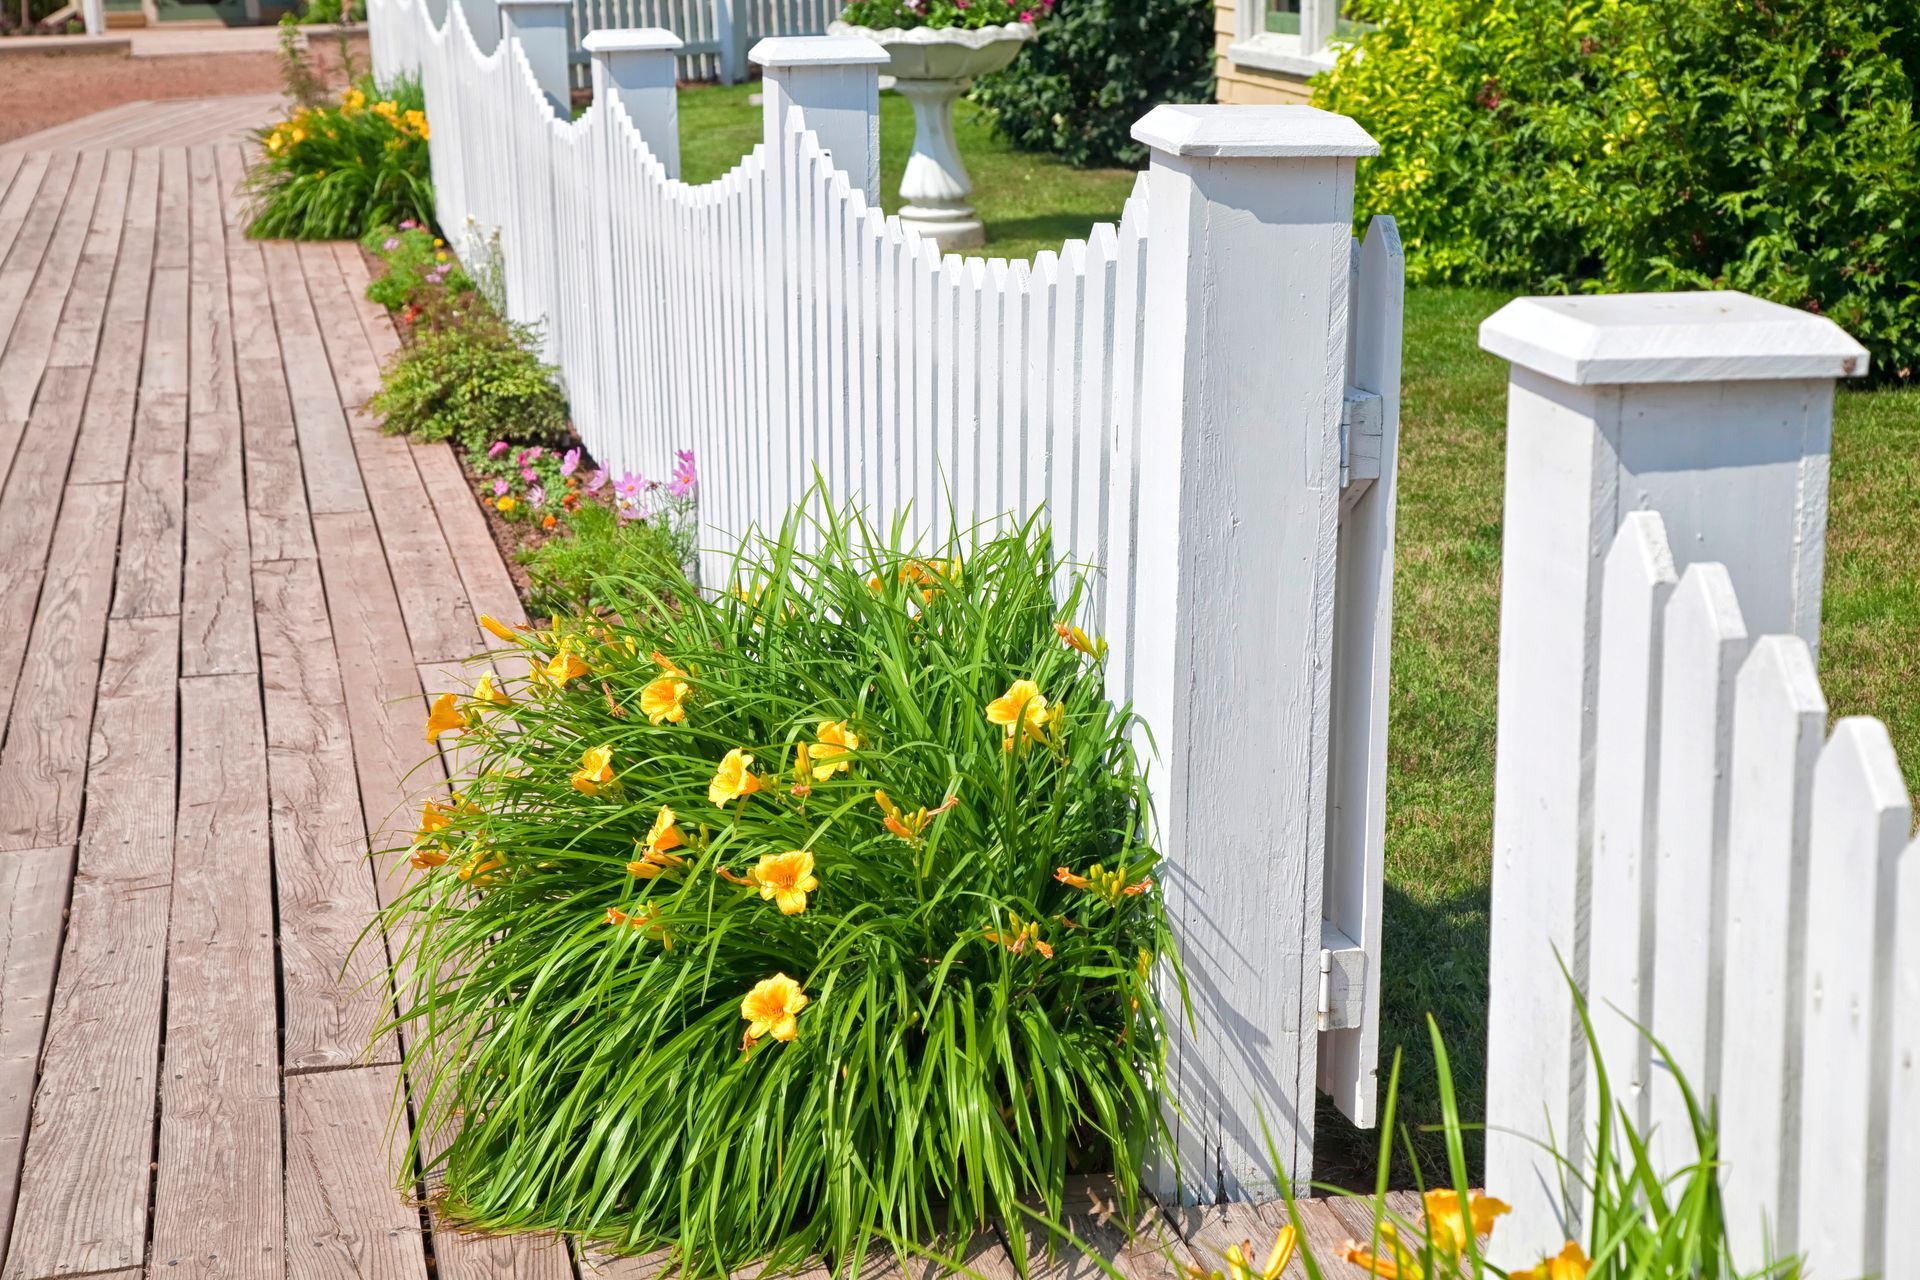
<point x="414" y="264"/>
<point x="333" y="172"/>
<point x="882" y="14"/>
<point x="1651" y="144"/>
<point x="470" y="376"/>
<point x="1097" y="66"/>
<point x="334" y="11"/>
<point x="774" y="919"/>
<point x="595" y="544"/>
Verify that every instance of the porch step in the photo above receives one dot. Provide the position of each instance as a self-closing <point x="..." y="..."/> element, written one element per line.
<point x="119" y="18"/>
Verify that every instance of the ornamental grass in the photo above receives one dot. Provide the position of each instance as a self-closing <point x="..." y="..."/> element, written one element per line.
<point x="772" y="923"/>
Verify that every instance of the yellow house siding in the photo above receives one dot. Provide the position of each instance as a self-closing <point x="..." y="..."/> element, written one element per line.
<point x="1235" y="83"/>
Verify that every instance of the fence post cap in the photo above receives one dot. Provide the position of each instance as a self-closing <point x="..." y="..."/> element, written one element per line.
<point x="631" y="40"/>
<point x="1223" y="132"/>
<point x="1716" y="336"/>
<point x="804" y="51"/>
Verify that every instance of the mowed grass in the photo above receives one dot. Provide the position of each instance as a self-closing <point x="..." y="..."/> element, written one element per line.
<point x="1446" y="601"/>
<point x="1028" y="202"/>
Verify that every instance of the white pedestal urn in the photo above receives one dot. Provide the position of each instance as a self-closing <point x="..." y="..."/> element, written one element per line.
<point x="933" y="66"/>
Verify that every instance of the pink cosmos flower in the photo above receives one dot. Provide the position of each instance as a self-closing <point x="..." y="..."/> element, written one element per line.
<point x="529" y="474"/>
<point x="684" y="476"/>
<point x="569" y="462"/>
<point x="628" y="488"/>
<point x="499" y="447"/>
<point x="408" y="224"/>
<point x="499" y="488"/>
<point x="536" y="496"/>
<point x="597" y="480"/>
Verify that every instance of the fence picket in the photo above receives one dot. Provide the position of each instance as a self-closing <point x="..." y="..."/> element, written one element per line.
<point x="1779" y="725"/>
<point x="1860" y="822"/>
<point x="1701" y="653"/>
<point x="1640" y="578"/>
<point x="1903" y="1086"/>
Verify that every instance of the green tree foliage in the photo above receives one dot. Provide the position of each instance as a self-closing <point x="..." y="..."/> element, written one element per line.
<point x="1762" y="145"/>
<point x="1097" y="66"/>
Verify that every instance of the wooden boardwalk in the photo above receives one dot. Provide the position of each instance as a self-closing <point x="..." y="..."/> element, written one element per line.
<point x="224" y="597"/>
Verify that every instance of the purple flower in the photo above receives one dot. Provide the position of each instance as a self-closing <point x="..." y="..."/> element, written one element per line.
<point x="569" y="462"/>
<point x="499" y="488"/>
<point x="392" y="243"/>
<point x="597" y="480"/>
<point x="529" y="474"/>
<point x="536" y="495"/>
<point x="635" y="512"/>
<point x="499" y="447"/>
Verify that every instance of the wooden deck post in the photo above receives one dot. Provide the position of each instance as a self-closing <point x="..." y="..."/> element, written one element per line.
<point x="835" y="81"/>
<point x="637" y="67"/>
<point x="1240" y="444"/>
<point x="1713" y="410"/>
<point x="540" y="28"/>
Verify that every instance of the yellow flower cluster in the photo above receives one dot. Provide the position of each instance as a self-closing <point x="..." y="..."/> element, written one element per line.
<point x="1451" y="1220"/>
<point x="306" y="122"/>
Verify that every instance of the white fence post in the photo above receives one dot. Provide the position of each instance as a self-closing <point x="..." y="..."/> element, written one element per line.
<point x="1713" y="410"/>
<point x="835" y="81"/>
<point x="637" y="67"/>
<point x="1235" y="584"/>
<point x="540" y="28"/>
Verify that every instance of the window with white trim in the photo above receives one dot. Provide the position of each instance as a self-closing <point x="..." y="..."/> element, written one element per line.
<point x="1296" y="36"/>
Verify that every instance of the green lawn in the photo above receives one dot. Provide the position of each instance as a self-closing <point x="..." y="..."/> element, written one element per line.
<point x="1446" y="599"/>
<point x="1028" y="202"/>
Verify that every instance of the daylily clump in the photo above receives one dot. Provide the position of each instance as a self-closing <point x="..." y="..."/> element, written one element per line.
<point x="736" y="885"/>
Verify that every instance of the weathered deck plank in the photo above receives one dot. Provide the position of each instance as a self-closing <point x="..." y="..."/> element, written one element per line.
<point x="334" y="993"/>
<point x="84" y="1184"/>
<point x="44" y="763"/>
<point x="326" y="451"/>
<point x="107" y="429"/>
<point x="220" y="1098"/>
<point x="34" y="885"/>
<point x="345" y="1219"/>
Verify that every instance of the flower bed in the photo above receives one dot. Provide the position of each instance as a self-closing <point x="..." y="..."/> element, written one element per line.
<point x="771" y="921"/>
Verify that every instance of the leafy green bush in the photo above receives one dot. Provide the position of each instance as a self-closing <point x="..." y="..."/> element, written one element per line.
<point x="330" y="173"/>
<point x="334" y="11"/>
<point x="597" y="545"/>
<point x="1097" y="66"/>
<point x="882" y="14"/>
<point x="1652" y="144"/>
<point x="773" y="919"/>
<point x="414" y="263"/>
<point x="470" y="376"/>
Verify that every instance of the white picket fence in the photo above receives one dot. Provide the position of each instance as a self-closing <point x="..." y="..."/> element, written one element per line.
<point x="1673" y="817"/>
<point x="1205" y="398"/>
<point x="714" y="34"/>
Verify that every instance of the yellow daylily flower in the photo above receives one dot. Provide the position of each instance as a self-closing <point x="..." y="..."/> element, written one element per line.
<point x="661" y="660"/>
<point x="565" y="665"/>
<point x="480" y="866"/>
<point x="1447" y="1219"/>
<point x="647" y="920"/>
<point x="664" y="699"/>
<point x="1111" y="885"/>
<point x="444" y="716"/>
<point x="772" y="1008"/>
<point x="1395" y="1262"/>
<point x="910" y="826"/>
<point x="1571" y="1263"/>
<point x="836" y="740"/>
<point x="1240" y="1257"/>
<point x="1021" y="705"/>
<point x="595" y="771"/>
<point x="499" y="628"/>
<point x="786" y="879"/>
<point x="485" y="691"/>
<point x="434" y="818"/>
<point x="733" y="778"/>
<point x="427" y="857"/>
<point x="656" y="850"/>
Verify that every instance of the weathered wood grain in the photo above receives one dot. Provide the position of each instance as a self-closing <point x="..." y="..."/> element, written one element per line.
<point x="345" y="1218"/>
<point x="438" y="619"/>
<point x="28" y="502"/>
<point x="219" y="1208"/>
<point x="36" y="226"/>
<point x="466" y="1255"/>
<point x="107" y="429"/>
<point x="489" y="587"/>
<point x="43" y="765"/>
<point x="84" y="1183"/>
<point x="335" y="994"/>
<point x="326" y="450"/>
<point x="34" y="884"/>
